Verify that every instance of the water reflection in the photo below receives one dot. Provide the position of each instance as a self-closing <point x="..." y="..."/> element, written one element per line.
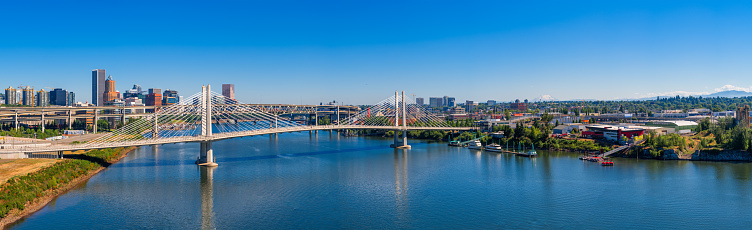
<point x="401" y="201"/>
<point x="207" y="197"/>
<point x="400" y="173"/>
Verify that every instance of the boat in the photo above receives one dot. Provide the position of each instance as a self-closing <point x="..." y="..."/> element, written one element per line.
<point x="493" y="148"/>
<point x="475" y="145"/>
<point x="454" y="143"/>
<point x="607" y="163"/>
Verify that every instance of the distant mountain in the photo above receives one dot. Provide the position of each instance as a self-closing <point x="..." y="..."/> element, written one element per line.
<point x="546" y="98"/>
<point x="730" y="93"/>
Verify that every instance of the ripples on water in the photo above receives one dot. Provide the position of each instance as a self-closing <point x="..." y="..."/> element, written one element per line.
<point x="326" y="181"/>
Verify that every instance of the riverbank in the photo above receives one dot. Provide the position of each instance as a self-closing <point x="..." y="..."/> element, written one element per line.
<point x="672" y="154"/>
<point x="23" y="195"/>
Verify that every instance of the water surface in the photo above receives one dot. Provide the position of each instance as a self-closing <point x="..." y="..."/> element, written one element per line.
<point x="325" y="181"/>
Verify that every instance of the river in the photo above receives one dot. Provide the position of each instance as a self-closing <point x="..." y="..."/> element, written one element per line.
<point x="326" y="181"/>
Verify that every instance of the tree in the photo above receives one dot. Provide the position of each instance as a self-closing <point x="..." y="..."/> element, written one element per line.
<point x="325" y="120"/>
<point x="103" y="125"/>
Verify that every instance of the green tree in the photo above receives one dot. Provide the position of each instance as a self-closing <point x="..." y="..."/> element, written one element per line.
<point x="103" y="125"/>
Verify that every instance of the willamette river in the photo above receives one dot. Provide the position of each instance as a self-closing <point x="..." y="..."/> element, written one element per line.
<point x="325" y="181"/>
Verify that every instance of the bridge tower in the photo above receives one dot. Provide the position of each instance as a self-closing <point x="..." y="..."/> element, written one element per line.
<point x="206" y="156"/>
<point x="400" y="144"/>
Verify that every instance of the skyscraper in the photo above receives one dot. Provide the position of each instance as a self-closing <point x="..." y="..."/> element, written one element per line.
<point x="10" y="96"/>
<point x="97" y="87"/>
<point x="109" y="90"/>
<point x="228" y="90"/>
<point x="71" y="98"/>
<point x="28" y="96"/>
<point x="436" y="102"/>
<point x="420" y="101"/>
<point x="59" y="97"/>
<point x="154" y="98"/>
<point x="170" y="97"/>
<point x="43" y="98"/>
<point x="449" y="101"/>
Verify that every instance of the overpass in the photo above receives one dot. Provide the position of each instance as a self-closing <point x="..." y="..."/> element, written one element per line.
<point x="206" y="117"/>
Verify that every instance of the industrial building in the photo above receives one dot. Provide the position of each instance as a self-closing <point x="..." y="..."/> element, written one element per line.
<point x="612" y="132"/>
<point x="517" y="105"/>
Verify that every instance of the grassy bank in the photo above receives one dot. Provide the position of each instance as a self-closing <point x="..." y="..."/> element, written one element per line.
<point x="20" y="192"/>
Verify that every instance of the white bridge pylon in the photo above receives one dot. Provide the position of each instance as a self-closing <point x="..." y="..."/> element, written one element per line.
<point x="208" y="116"/>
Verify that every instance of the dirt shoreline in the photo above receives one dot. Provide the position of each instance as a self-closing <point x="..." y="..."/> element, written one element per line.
<point x="38" y="204"/>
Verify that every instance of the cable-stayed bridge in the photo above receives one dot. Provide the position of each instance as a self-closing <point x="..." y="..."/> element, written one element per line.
<point x="208" y="116"/>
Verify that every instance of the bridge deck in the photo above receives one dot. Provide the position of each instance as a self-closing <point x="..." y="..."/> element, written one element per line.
<point x="216" y="137"/>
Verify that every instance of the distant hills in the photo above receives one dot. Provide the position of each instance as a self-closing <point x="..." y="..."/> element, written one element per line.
<point x="729" y="94"/>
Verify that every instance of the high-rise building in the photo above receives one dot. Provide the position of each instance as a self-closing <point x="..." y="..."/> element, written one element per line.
<point x="154" y="98"/>
<point x="469" y="105"/>
<point x="436" y="102"/>
<point x="43" y="98"/>
<point x="449" y="101"/>
<point x="97" y="87"/>
<point x="170" y="97"/>
<point x="419" y="101"/>
<point x="10" y="96"/>
<point x="59" y="97"/>
<point x="109" y="90"/>
<point x="491" y="103"/>
<point x="28" y="96"/>
<point x="71" y="99"/>
<point x="228" y="90"/>
<point x="134" y="92"/>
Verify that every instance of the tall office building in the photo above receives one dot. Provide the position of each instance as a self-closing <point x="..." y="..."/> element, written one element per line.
<point x="10" y="96"/>
<point x="469" y="105"/>
<point x="449" y="101"/>
<point x="170" y="97"/>
<point x="109" y="90"/>
<point x="436" y="102"/>
<point x="419" y="101"/>
<point x="71" y="99"/>
<point x="28" y="96"/>
<point x="97" y="87"/>
<point x="154" y="98"/>
<point x="59" y="97"/>
<point x="134" y="92"/>
<point x="491" y="102"/>
<point x="228" y="90"/>
<point x="43" y="98"/>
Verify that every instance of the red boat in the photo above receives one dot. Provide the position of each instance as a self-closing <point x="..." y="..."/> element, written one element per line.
<point x="607" y="163"/>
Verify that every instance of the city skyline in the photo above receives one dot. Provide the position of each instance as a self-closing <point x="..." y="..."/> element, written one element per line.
<point x="475" y="51"/>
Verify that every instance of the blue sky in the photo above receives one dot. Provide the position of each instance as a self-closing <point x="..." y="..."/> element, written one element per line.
<point x="359" y="52"/>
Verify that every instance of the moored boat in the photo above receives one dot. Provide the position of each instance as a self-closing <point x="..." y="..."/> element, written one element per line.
<point x="493" y="148"/>
<point x="475" y="145"/>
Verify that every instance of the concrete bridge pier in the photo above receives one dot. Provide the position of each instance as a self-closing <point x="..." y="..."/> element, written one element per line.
<point x="206" y="157"/>
<point x="400" y="144"/>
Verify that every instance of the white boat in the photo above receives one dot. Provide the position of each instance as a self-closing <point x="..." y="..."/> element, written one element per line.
<point x="475" y="145"/>
<point x="493" y="148"/>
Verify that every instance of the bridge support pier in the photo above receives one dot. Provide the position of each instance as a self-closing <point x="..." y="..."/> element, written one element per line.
<point x="400" y="144"/>
<point x="206" y="157"/>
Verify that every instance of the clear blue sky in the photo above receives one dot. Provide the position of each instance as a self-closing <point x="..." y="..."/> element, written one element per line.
<point x="359" y="52"/>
